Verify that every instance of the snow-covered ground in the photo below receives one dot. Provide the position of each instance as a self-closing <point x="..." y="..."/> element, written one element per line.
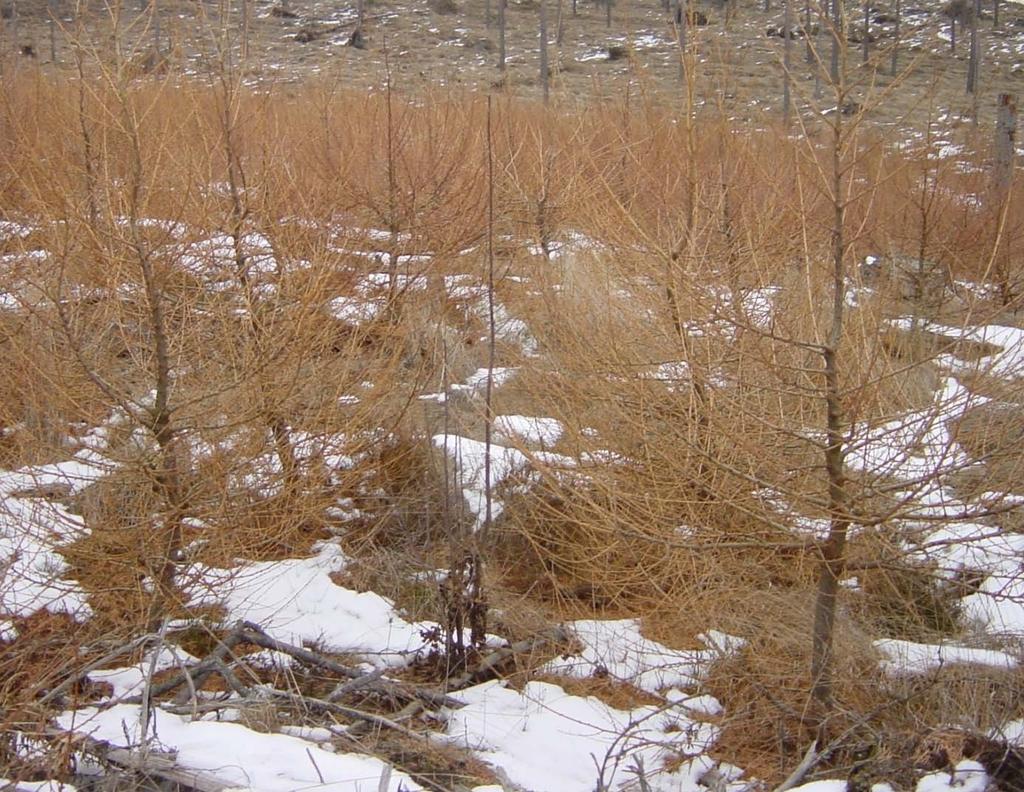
<point x="537" y="737"/>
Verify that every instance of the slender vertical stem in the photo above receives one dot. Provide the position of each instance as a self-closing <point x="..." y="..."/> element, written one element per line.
<point x="88" y="149"/>
<point x="787" y="37"/>
<point x="865" y="42"/>
<point x="838" y="38"/>
<point x="809" y="54"/>
<point x="832" y="550"/>
<point x="975" y="55"/>
<point x="894" y="66"/>
<point x="544" y="75"/>
<point x="501" y="35"/>
<point x="478" y="602"/>
<point x="52" y="8"/>
<point x="16" y="48"/>
<point x="682" y="24"/>
<point x="491" y="334"/>
<point x="392" y="221"/>
<point x="245" y="31"/>
<point x="1006" y="132"/>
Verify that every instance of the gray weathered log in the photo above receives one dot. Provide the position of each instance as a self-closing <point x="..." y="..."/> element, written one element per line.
<point x="486" y="669"/>
<point x="811" y="756"/>
<point x="1006" y="133"/>
<point x="155" y="765"/>
<point x="81" y="674"/>
<point x="251" y="633"/>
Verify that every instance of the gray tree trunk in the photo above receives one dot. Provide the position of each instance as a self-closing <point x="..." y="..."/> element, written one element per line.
<point x="833" y="549"/>
<point x="53" y="10"/>
<point x="544" y="72"/>
<point x="1006" y="133"/>
<point x="787" y="33"/>
<point x="809" y="55"/>
<point x="838" y="39"/>
<point x="894" y="66"/>
<point x="501" y="35"/>
<point x="866" y="51"/>
<point x="973" y="63"/>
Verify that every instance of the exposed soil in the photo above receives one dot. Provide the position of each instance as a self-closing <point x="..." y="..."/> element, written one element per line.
<point x="447" y="44"/>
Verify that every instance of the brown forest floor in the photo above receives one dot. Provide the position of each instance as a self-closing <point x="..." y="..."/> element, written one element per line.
<point x="447" y="43"/>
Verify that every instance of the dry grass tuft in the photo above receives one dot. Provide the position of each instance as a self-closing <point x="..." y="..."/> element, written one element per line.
<point x="770" y="718"/>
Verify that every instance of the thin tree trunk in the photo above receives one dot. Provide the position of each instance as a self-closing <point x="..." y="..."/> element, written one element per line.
<point x="52" y="8"/>
<point x="817" y="68"/>
<point x="478" y="600"/>
<point x="894" y="66"/>
<point x="88" y="154"/>
<point x="838" y="39"/>
<point x="246" y="24"/>
<point x="866" y="51"/>
<point x="501" y="35"/>
<point x="1006" y="134"/>
<point x="832" y="559"/>
<point x="544" y="72"/>
<point x="787" y="33"/>
<point x="154" y="9"/>
<point x="167" y="476"/>
<point x="809" y="55"/>
<point x="393" y="312"/>
<point x="973" y="63"/>
<point x="682" y="24"/>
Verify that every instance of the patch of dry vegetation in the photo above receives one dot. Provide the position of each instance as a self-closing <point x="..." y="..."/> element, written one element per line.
<point x="293" y="271"/>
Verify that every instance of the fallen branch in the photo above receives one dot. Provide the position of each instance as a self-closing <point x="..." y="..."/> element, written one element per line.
<point x="308" y="702"/>
<point x="197" y="673"/>
<point x="489" y="665"/>
<point x="794" y="778"/>
<point x="82" y="673"/>
<point x="344" y="688"/>
<point x="161" y="766"/>
<point x="373" y="682"/>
